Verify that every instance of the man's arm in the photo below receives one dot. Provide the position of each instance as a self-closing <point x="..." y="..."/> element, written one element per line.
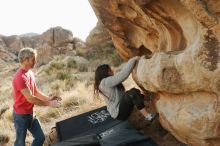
<point x="41" y="96"/>
<point x="33" y="99"/>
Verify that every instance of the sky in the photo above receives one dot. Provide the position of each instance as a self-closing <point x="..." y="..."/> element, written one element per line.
<point x="24" y="16"/>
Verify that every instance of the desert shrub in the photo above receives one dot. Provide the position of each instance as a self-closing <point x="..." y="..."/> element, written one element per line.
<point x="71" y="101"/>
<point x="81" y="51"/>
<point x="56" y="65"/>
<point x="76" y="62"/>
<point x="49" y="68"/>
<point x="8" y="115"/>
<point x="4" y="139"/>
<point x="82" y="68"/>
<point x="71" y="64"/>
<point x="63" y="75"/>
<point x="48" y="114"/>
<point x="57" y="87"/>
<point x="108" y="55"/>
<point x="69" y="84"/>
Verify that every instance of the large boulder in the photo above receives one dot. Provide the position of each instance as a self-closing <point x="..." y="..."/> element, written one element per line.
<point x="52" y="42"/>
<point x="99" y="37"/>
<point x="2" y="42"/>
<point x="5" y="54"/>
<point x="100" y="47"/>
<point x="13" y="43"/>
<point x="57" y="36"/>
<point x="181" y="62"/>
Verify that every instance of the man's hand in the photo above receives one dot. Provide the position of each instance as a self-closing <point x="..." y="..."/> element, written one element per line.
<point x="56" y="98"/>
<point x="54" y="103"/>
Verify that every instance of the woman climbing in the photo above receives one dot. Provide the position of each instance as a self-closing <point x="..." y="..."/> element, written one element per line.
<point x="120" y="103"/>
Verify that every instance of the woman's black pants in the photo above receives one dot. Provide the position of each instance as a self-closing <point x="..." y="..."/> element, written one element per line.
<point x="132" y="97"/>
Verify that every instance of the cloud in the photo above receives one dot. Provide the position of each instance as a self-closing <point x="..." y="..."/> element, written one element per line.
<point x="23" y="16"/>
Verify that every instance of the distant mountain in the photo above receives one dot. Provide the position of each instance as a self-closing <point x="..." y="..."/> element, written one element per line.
<point x="31" y="34"/>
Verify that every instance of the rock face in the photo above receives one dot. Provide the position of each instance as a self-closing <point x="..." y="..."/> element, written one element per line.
<point x="57" y="36"/>
<point x="100" y="47"/>
<point x="52" y="42"/>
<point x="99" y="37"/>
<point x="180" y="43"/>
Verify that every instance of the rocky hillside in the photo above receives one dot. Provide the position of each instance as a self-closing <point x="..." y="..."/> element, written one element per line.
<point x="100" y="46"/>
<point x="65" y="67"/>
<point x="99" y="37"/>
<point x="57" y="41"/>
<point x="181" y="43"/>
<point x="52" y="42"/>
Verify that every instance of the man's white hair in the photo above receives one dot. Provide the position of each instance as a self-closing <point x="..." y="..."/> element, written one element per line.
<point x="26" y="53"/>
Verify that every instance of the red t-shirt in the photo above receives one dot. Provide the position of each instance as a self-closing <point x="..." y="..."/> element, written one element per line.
<point x="21" y="80"/>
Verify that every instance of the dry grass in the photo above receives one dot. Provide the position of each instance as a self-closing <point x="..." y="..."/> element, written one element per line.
<point x="4" y="139"/>
<point x="75" y="101"/>
<point x="8" y="134"/>
<point x="69" y="77"/>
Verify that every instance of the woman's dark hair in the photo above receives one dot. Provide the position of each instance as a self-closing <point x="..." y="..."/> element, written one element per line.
<point x="102" y="72"/>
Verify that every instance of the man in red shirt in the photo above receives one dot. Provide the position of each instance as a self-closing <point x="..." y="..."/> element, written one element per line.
<point x="26" y="95"/>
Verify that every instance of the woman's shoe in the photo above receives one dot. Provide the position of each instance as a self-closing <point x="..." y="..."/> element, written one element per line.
<point x="151" y="117"/>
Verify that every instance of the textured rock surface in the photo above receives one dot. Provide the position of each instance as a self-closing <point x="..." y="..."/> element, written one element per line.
<point x="57" y="36"/>
<point x="52" y="42"/>
<point x="100" y="47"/>
<point x="99" y="37"/>
<point x="180" y="41"/>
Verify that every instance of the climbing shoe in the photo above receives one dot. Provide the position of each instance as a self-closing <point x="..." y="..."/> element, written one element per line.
<point x="150" y="117"/>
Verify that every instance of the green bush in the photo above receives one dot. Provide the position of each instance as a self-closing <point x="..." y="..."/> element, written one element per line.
<point x="82" y="68"/>
<point x="108" y="55"/>
<point x="56" y="65"/>
<point x="71" y="64"/>
<point x="63" y="75"/>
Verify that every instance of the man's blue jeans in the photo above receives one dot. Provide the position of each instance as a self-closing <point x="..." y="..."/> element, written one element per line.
<point x="24" y="122"/>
